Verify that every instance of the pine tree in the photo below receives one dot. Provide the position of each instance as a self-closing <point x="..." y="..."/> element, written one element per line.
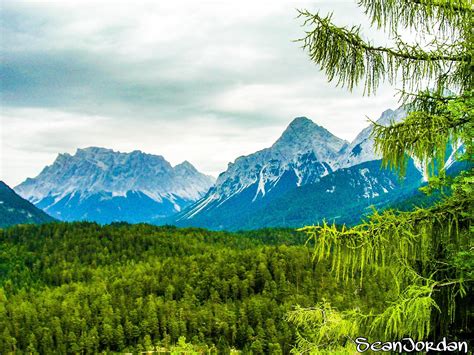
<point x="427" y="253"/>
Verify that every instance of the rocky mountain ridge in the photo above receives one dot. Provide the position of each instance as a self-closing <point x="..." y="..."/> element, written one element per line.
<point x="101" y="179"/>
<point x="105" y="186"/>
<point x="305" y="153"/>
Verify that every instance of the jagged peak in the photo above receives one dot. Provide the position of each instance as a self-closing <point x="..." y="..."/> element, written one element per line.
<point x="390" y="116"/>
<point x="303" y="132"/>
<point x="185" y="165"/>
<point x="96" y="170"/>
<point x="63" y="156"/>
<point x="303" y="124"/>
<point x="301" y="121"/>
<point x="98" y="152"/>
<point x="386" y="113"/>
<point x="94" y="149"/>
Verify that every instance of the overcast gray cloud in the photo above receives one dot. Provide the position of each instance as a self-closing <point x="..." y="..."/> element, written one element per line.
<point x="203" y="81"/>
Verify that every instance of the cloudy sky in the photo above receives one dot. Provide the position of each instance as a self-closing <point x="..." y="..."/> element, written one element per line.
<point x="204" y="81"/>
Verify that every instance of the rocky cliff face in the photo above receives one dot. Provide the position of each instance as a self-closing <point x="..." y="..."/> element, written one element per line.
<point x="302" y="155"/>
<point x="103" y="185"/>
<point x="306" y="168"/>
<point x="362" y="148"/>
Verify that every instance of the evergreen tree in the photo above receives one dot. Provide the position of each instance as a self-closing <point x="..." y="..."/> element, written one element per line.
<point x="428" y="254"/>
<point x="153" y="287"/>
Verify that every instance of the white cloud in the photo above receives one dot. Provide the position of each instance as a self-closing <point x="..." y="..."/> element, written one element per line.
<point x="203" y="81"/>
<point x="207" y="142"/>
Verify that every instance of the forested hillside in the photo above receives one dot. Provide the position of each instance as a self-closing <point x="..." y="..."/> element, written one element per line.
<point x="80" y="287"/>
<point x="400" y="276"/>
<point x="16" y="210"/>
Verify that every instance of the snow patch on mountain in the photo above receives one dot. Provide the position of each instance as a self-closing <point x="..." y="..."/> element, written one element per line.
<point x="305" y="152"/>
<point x="362" y="148"/>
<point x="94" y="171"/>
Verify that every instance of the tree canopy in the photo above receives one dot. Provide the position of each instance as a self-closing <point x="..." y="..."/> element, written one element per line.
<point x="428" y="253"/>
<point x="68" y="288"/>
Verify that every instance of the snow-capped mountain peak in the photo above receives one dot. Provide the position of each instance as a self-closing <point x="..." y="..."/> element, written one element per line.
<point x="362" y="149"/>
<point x="303" y="135"/>
<point x="307" y="169"/>
<point x="303" y="154"/>
<point x="104" y="174"/>
<point x="185" y="166"/>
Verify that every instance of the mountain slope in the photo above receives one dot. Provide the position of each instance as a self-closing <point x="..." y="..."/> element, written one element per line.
<point x="102" y="185"/>
<point x="362" y="147"/>
<point x="302" y="155"/>
<point x="307" y="175"/>
<point x="16" y="210"/>
<point x="342" y="197"/>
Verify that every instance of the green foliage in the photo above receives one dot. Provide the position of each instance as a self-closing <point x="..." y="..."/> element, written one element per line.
<point x="447" y="16"/>
<point x="349" y="59"/>
<point x="410" y="314"/>
<point x="428" y="255"/>
<point x="86" y="288"/>
<point x="428" y="252"/>
<point x="330" y="328"/>
<point x="425" y="133"/>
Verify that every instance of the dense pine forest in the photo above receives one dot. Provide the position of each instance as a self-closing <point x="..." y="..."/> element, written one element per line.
<point x="401" y="273"/>
<point x="86" y="288"/>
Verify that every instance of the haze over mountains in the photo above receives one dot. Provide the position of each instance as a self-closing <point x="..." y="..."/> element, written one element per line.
<point x="270" y="187"/>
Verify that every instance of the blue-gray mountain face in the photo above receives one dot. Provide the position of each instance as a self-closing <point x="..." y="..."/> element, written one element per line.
<point x="344" y="197"/>
<point x="307" y="175"/>
<point x="362" y="147"/>
<point x="302" y="155"/>
<point x="101" y="185"/>
<point x="16" y="210"/>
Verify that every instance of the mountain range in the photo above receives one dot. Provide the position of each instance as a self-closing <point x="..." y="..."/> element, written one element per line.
<point x="307" y="175"/>
<point x="302" y="155"/>
<point x="106" y="186"/>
